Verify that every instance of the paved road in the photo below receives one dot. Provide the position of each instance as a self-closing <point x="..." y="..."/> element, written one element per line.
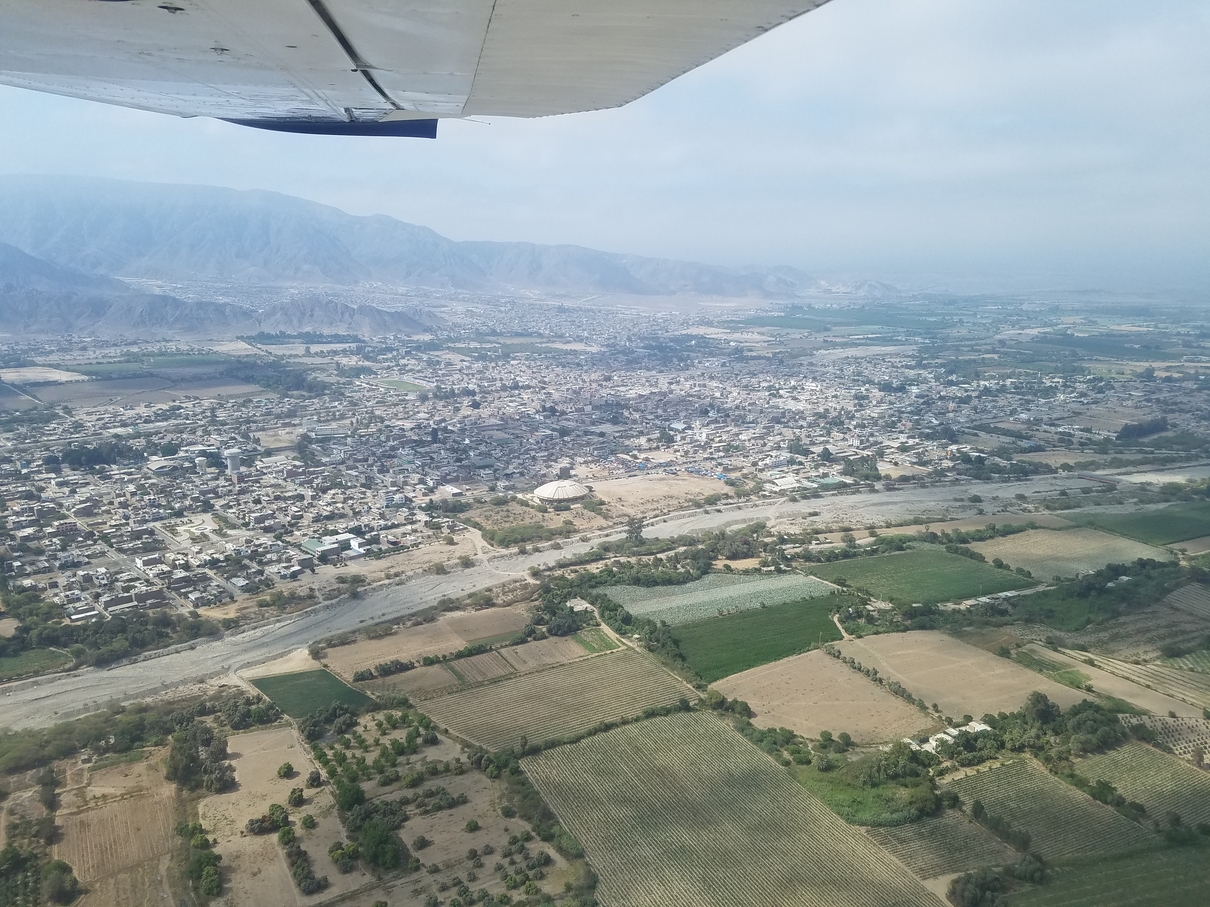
<point x="44" y="701"/>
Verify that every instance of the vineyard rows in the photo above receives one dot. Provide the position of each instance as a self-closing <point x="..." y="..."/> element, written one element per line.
<point x="714" y="594"/>
<point x="1193" y="599"/>
<point x="563" y="701"/>
<point x="1182" y="734"/>
<point x="946" y="844"/>
<point x="1158" y="781"/>
<point x="1061" y="820"/>
<point x="1168" y="877"/>
<point x="682" y="810"/>
<point x="1198" y="661"/>
<point x="1190" y="686"/>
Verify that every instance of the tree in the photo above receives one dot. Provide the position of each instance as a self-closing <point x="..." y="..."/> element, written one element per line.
<point x="296" y="797"/>
<point x="349" y="795"/>
<point x="634" y="529"/>
<point x="59" y="883"/>
<point x="314" y="778"/>
<point x="285" y="770"/>
<point x="380" y="847"/>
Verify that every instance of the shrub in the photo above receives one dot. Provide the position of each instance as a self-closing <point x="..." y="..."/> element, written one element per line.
<point x="296" y="797"/>
<point x="307" y="821"/>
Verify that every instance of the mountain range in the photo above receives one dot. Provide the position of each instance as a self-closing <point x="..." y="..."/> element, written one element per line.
<point x="182" y="233"/>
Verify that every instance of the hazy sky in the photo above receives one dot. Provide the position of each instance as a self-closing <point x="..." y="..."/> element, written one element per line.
<point x="1015" y="142"/>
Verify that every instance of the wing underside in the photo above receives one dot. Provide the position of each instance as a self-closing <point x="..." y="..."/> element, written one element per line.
<point x="282" y="62"/>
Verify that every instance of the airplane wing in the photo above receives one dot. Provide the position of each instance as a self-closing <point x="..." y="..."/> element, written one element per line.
<point x="369" y="67"/>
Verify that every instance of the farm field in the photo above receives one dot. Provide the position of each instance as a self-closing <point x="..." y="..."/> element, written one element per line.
<point x="119" y="818"/>
<point x="945" y="844"/>
<point x="1189" y="686"/>
<point x="714" y="595"/>
<point x="813" y="692"/>
<point x="925" y="575"/>
<point x="304" y="692"/>
<point x="32" y="661"/>
<point x="661" y="805"/>
<point x="1198" y="661"/>
<point x="1161" y="526"/>
<point x="1062" y="821"/>
<point x="1105" y="683"/>
<point x="722" y="646"/>
<point x="419" y="683"/>
<point x="594" y="640"/>
<point x="1182" y="734"/>
<point x="1162" y="783"/>
<point x="545" y="653"/>
<point x="479" y="668"/>
<point x="1047" y="553"/>
<point x="961" y="679"/>
<point x="557" y="702"/>
<point x="446" y="635"/>
<point x="399" y="385"/>
<point x="1158" y="879"/>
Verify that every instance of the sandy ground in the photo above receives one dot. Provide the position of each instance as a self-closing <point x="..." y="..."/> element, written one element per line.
<point x="960" y="678"/>
<point x="656" y="493"/>
<point x="253" y="865"/>
<point x="298" y="660"/>
<point x="812" y="692"/>
<point x="35" y="374"/>
<point x="1046" y="553"/>
<point x="8" y="626"/>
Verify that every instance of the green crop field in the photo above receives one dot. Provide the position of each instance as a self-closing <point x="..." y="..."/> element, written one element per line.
<point x="32" y="661"/>
<point x="716" y="594"/>
<point x="1162" y="783"/>
<point x="594" y="640"/>
<point x="944" y="844"/>
<point x="926" y="575"/>
<point x="723" y="646"/>
<point x="1062" y="821"/>
<point x="1164" y="526"/>
<point x="683" y="810"/>
<point x="1164" y="878"/>
<point x="563" y="701"/>
<point x="302" y="693"/>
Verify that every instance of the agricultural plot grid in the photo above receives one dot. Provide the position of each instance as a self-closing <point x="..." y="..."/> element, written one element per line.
<point x="1162" y="783"/>
<point x="681" y="811"/>
<point x="948" y="843"/>
<point x="1062" y="821"/>
<point x="1182" y="734"/>
<point x="715" y="594"/>
<point x="563" y="701"/>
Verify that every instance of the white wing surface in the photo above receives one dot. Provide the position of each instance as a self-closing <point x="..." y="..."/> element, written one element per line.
<point x="369" y="66"/>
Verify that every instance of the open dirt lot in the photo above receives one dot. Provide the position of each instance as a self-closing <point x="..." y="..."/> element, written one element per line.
<point x="447" y="634"/>
<point x="117" y="818"/>
<point x="812" y="692"/>
<point x="654" y="494"/>
<point x="961" y="679"/>
<point x="253" y="865"/>
<point x="1046" y="553"/>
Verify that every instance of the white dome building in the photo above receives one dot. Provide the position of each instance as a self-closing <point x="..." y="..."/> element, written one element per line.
<point x="563" y="491"/>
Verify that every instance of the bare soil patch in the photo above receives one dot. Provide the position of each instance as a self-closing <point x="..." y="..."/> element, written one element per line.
<point x="8" y="626"/>
<point x="812" y="692"/>
<point x="298" y="660"/>
<point x="1046" y="553"/>
<point x="642" y="495"/>
<point x="476" y="626"/>
<point x="553" y="650"/>
<point x="960" y="678"/>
